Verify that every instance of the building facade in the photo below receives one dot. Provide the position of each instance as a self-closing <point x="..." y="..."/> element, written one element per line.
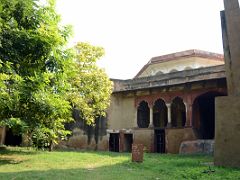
<point x="170" y="100"/>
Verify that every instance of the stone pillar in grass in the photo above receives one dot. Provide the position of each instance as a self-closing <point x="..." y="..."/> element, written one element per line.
<point x="227" y="119"/>
<point x="137" y="153"/>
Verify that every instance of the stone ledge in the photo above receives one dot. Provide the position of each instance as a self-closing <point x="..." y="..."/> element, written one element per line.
<point x="175" y="78"/>
<point x="197" y="147"/>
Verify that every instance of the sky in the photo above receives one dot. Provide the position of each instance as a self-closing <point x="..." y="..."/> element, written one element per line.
<point x="134" y="31"/>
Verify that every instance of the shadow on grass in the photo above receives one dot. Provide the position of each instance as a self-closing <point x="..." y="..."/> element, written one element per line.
<point x="125" y="170"/>
<point x="61" y="174"/>
<point x="155" y="166"/>
<point x="9" y="151"/>
<point x="5" y="161"/>
<point x="18" y="151"/>
<point x="101" y="153"/>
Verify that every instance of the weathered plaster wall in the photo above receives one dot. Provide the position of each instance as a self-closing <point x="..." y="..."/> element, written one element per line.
<point x="197" y="147"/>
<point x="145" y="137"/>
<point x="86" y="137"/>
<point x="179" y="65"/>
<point x="174" y="138"/>
<point x="80" y="140"/>
<point x="227" y="133"/>
<point x="122" y="112"/>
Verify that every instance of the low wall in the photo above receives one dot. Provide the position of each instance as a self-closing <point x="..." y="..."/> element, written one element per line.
<point x="175" y="136"/>
<point x="200" y="146"/>
<point x="84" y="136"/>
<point x="79" y="140"/>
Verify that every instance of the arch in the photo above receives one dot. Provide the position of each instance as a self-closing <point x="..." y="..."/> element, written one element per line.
<point x="143" y="115"/>
<point x="146" y="99"/>
<point x="188" y="68"/>
<point x="160" y="114"/>
<point x="159" y="73"/>
<point x="203" y="116"/>
<point x="178" y="112"/>
<point x="173" y="70"/>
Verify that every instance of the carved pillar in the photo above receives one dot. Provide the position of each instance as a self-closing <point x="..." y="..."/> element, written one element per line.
<point x="169" y="115"/>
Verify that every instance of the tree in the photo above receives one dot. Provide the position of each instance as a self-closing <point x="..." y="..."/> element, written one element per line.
<point x="39" y="75"/>
<point x="92" y="82"/>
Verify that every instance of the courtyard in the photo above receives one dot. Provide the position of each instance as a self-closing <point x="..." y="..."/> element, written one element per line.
<point x="28" y="163"/>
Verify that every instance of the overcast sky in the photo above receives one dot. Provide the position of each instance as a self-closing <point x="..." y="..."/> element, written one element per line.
<point x="133" y="31"/>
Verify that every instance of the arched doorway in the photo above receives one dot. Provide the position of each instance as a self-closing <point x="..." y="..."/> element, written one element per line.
<point x="160" y="114"/>
<point x="143" y="115"/>
<point x="204" y="114"/>
<point x="178" y="112"/>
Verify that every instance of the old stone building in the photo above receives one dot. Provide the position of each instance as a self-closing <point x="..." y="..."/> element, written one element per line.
<point x="170" y="100"/>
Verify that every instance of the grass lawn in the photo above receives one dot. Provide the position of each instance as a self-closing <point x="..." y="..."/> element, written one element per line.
<point x="20" y="163"/>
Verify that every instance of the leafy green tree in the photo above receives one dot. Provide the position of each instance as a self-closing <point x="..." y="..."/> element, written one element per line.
<point x="39" y="77"/>
<point x="91" y="81"/>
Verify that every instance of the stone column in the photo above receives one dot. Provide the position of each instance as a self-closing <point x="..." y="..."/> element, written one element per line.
<point x="169" y="115"/>
<point x="231" y="44"/>
<point x="135" y="119"/>
<point x="227" y="109"/>
<point x="151" y="117"/>
<point x="121" y="141"/>
<point x="188" y="114"/>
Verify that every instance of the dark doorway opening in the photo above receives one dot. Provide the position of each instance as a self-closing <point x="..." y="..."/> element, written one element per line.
<point x="204" y="115"/>
<point x="128" y="140"/>
<point x="178" y="112"/>
<point x="114" y="142"/>
<point x="160" y="114"/>
<point x="11" y="139"/>
<point x="160" y="141"/>
<point x="143" y="115"/>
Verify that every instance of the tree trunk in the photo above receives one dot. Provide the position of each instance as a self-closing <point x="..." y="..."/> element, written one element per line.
<point x="50" y="146"/>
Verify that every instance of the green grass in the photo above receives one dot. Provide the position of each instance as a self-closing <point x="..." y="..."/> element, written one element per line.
<point x="22" y="163"/>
